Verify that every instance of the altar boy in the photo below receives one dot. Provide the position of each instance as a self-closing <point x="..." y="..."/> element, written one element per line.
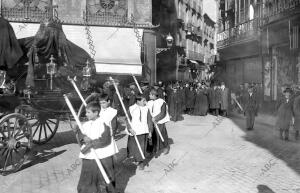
<point x="141" y="127"/>
<point x="108" y="113"/>
<point x="95" y="134"/>
<point x="159" y="112"/>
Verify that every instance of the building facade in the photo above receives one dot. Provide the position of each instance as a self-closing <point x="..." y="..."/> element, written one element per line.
<point x="194" y="39"/>
<point x="258" y="41"/>
<point x="118" y="34"/>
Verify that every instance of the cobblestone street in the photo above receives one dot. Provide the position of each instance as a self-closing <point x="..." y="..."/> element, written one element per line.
<point x="208" y="155"/>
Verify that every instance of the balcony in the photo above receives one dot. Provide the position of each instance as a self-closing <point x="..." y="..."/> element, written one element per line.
<point x="194" y="55"/>
<point x="274" y="10"/>
<point x="243" y="32"/>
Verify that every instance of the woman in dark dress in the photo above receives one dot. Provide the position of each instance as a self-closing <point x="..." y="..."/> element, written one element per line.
<point x="201" y="101"/>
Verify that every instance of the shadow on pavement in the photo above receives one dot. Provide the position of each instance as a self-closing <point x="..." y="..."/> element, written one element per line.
<point x="124" y="169"/>
<point x="264" y="189"/>
<point x="40" y="157"/>
<point x="266" y="136"/>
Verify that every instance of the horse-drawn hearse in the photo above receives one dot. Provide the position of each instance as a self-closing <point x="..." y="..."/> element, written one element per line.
<point x="34" y="75"/>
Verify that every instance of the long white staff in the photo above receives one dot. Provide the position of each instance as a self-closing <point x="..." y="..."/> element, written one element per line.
<point x="155" y="125"/>
<point x="92" y="149"/>
<point x="124" y="109"/>
<point x="77" y="90"/>
<point x="137" y="84"/>
<point x="237" y="102"/>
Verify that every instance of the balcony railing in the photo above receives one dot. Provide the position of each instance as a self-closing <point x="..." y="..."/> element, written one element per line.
<point x="194" y="55"/>
<point x="275" y="7"/>
<point x="242" y="32"/>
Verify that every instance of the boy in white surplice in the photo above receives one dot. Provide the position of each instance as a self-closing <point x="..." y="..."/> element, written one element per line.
<point x="141" y="127"/>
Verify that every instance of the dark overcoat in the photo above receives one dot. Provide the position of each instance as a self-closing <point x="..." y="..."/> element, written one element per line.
<point x="224" y="102"/>
<point x="284" y="114"/>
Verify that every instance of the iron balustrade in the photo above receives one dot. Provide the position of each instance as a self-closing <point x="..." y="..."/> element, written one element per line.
<point x="265" y="13"/>
<point x="274" y="7"/>
<point x="244" y="31"/>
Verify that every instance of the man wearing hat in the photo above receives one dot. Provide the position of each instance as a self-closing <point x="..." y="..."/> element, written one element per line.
<point x="285" y="114"/>
<point x="145" y="88"/>
<point x="250" y="108"/>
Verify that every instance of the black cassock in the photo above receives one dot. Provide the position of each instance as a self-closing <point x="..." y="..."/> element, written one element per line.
<point x="182" y="100"/>
<point x="175" y="105"/>
<point x="190" y="99"/>
<point x="201" y="103"/>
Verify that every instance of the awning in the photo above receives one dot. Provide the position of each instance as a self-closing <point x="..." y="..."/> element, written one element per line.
<point x="117" y="49"/>
<point x="195" y="65"/>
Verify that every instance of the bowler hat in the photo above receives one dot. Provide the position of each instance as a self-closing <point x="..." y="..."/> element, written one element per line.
<point x="287" y="90"/>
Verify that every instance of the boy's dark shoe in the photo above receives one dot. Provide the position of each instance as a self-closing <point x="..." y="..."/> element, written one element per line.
<point x="141" y="166"/>
<point x="166" y="150"/>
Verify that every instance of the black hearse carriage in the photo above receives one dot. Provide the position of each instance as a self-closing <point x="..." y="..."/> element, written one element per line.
<point x="34" y="75"/>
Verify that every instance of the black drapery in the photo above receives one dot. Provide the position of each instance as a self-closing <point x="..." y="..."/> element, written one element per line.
<point x="10" y="50"/>
<point x="51" y="40"/>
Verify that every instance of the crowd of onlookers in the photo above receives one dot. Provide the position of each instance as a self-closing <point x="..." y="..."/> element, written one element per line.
<point x="201" y="98"/>
<point x="194" y="98"/>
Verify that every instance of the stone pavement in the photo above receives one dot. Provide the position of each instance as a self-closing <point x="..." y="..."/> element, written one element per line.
<point x="208" y="155"/>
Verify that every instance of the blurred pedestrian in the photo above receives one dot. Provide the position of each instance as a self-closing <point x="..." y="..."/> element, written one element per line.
<point x="285" y="115"/>
<point x="250" y="108"/>
<point x="224" y="100"/>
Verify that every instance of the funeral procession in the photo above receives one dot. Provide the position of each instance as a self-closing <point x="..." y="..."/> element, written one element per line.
<point x="149" y="96"/>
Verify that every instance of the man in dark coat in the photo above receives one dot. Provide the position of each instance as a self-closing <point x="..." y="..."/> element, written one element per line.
<point x="250" y="108"/>
<point x="214" y="98"/>
<point x="175" y="105"/>
<point x="224" y="102"/>
<point x="285" y="115"/>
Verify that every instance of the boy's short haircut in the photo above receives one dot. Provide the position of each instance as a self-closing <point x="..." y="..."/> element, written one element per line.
<point x="93" y="106"/>
<point x="104" y="97"/>
<point x="153" y="91"/>
<point x="139" y="97"/>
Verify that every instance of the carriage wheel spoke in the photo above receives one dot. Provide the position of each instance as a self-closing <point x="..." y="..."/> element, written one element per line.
<point x="15" y="125"/>
<point x="6" y="159"/>
<point x="19" y="131"/>
<point x="40" y="134"/>
<point x="20" y="137"/>
<point x="34" y="123"/>
<point x="37" y="127"/>
<point x="5" y="150"/>
<point x="8" y="128"/>
<point x="51" y="121"/>
<point x="49" y="127"/>
<point x="45" y="132"/>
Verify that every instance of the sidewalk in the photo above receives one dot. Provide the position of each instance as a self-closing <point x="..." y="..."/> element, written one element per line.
<point x="208" y="155"/>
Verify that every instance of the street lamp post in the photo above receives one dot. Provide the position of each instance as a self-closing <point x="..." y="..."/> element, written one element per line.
<point x="169" y="40"/>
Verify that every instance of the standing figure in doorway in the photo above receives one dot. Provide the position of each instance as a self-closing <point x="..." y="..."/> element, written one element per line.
<point x="250" y="108"/>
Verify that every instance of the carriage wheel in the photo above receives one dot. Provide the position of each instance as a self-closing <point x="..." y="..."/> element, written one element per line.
<point x="15" y="142"/>
<point x="44" y="127"/>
